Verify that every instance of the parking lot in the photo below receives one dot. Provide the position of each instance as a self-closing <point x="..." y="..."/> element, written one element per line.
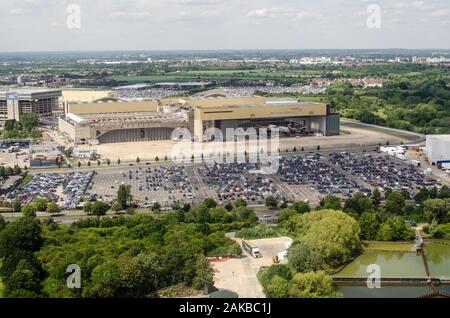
<point x="318" y="177"/>
<point x="239" y="274"/>
<point x="66" y="190"/>
<point x="234" y="181"/>
<point x="382" y="171"/>
<point x="163" y="184"/>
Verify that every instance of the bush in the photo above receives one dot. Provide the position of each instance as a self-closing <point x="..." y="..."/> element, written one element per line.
<point x="305" y="257"/>
<point x="313" y="285"/>
<point x="257" y="232"/>
<point x="267" y="274"/>
<point x="395" y="229"/>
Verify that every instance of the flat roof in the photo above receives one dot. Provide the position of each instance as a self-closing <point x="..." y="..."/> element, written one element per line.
<point x="30" y="90"/>
<point x="443" y="137"/>
<point x="265" y="105"/>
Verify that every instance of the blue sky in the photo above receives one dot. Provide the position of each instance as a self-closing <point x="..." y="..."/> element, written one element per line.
<point x="37" y="25"/>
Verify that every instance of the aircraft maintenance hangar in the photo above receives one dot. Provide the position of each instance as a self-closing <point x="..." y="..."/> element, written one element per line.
<point x="115" y="121"/>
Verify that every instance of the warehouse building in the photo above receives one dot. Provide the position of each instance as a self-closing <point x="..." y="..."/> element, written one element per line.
<point x="124" y="121"/>
<point x="41" y="101"/>
<point x="262" y="113"/>
<point x="81" y="95"/>
<point x="121" y="127"/>
<point x="438" y="149"/>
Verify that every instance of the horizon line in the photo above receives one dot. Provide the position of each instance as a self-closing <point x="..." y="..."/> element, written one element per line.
<point x="223" y="50"/>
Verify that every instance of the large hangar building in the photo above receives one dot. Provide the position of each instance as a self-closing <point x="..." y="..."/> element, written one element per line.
<point x="259" y="113"/>
<point x="115" y="121"/>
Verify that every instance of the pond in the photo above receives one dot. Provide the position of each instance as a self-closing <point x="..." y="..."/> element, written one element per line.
<point x="398" y="264"/>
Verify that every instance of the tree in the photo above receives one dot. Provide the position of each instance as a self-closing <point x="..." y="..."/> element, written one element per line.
<point x="138" y="160"/>
<point x="53" y="208"/>
<point x="118" y="161"/>
<point x="301" y="207"/>
<point x="124" y="196"/>
<point x="41" y="204"/>
<point x="422" y="195"/>
<point x="116" y="207"/>
<point x="204" y="274"/>
<point x="318" y="148"/>
<point x="267" y="274"/>
<point x="395" y="229"/>
<point x="99" y="209"/>
<point x="313" y="285"/>
<point x="2" y="223"/>
<point x="369" y="224"/>
<point x="98" y="163"/>
<point x="29" y="210"/>
<point x="376" y="197"/>
<point x="339" y="242"/>
<point x="433" y="193"/>
<point x="271" y="202"/>
<point x="277" y="288"/>
<point x="210" y="203"/>
<point x="444" y="193"/>
<point x="331" y="203"/>
<point x="305" y="257"/>
<point x="79" y="164"/>
<point x="29" y="121"/>
<point x="228" y="206"/>
<point x="240" y="202"/>
<point x="87" y="208"/>
<point x="285" y="214"/>
<point x="108" y="162"/>
<point x="358" y="204"/>
<point x="17" y="170"/>
<point x="156" y="207"/>
<point x="436" y="209"/>
<point x="16" y="207"/>
<point x="395" y="203"/>
<point x="18" y="242"/>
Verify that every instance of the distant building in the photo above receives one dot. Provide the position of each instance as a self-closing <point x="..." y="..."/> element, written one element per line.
<point x="14" y="103"/>
<point x="438" y="149"/>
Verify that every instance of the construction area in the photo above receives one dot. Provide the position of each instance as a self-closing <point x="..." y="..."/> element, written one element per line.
<point x="239" y="274"/>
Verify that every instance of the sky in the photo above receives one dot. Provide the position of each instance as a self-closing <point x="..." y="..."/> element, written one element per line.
<point x="52" y="25"/>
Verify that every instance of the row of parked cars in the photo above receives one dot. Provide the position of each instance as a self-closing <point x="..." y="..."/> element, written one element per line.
<point x="66" y="190"/>
<point x="234" y="181"/>
<point x="382" y="171"/>
<point x="314" y="172"/>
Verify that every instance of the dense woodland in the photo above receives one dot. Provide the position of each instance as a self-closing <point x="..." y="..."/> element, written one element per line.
<point x="137" y="255"/>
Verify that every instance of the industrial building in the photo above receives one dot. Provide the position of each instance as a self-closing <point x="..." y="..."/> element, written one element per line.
<point x="260" y="113"/>
<point x="81" y="95"/>
<point x="16" y="102"/>
<point x="438" y="149"/>
<point x="125" y="121"/>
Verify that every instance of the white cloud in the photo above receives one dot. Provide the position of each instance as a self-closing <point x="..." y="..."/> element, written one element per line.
<point x="274" y="12"/>
<point x="16" y="11"/>
<point x="440" y="13"/>
<point x="306" y="14"/>
<point x="132" y="14"/>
